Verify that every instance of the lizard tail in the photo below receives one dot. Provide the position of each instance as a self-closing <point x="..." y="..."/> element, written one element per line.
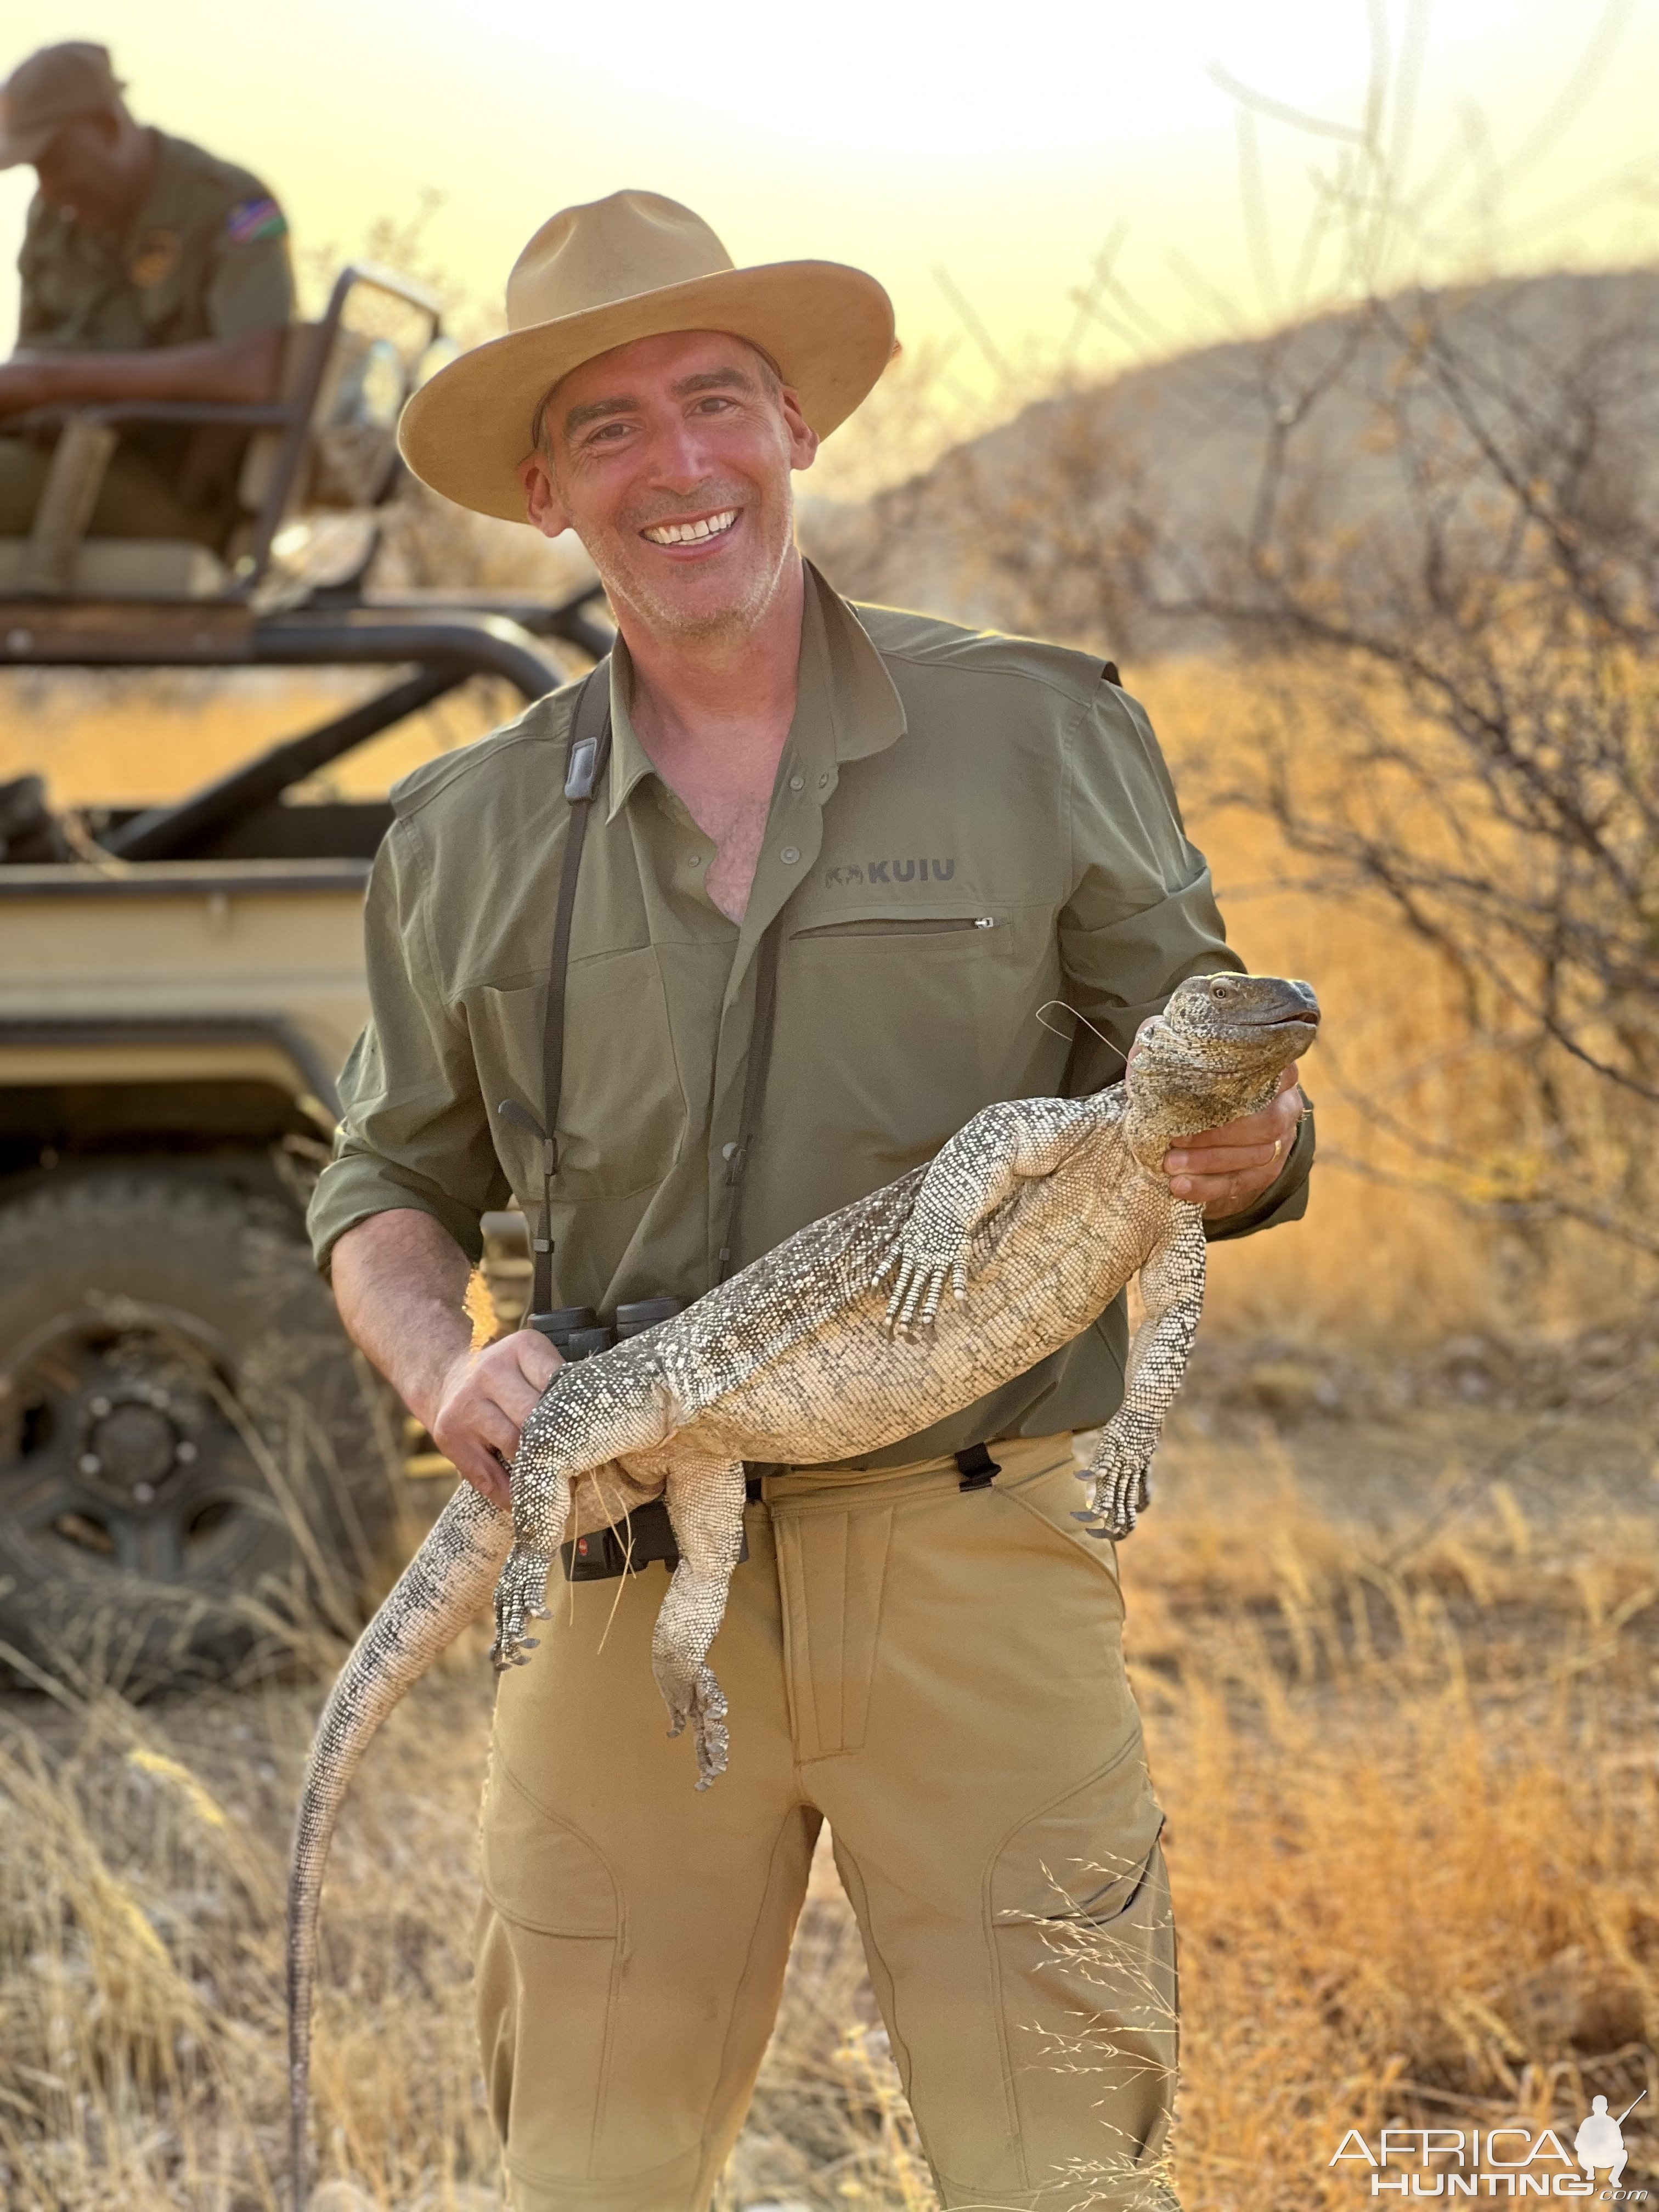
<point x="446" y="1584"/>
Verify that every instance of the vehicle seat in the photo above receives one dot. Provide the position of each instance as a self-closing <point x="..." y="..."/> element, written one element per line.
<point x="346" y="468"/>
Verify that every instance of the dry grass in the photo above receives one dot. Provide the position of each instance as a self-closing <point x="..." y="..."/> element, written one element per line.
<point x="1413" y="1823"/>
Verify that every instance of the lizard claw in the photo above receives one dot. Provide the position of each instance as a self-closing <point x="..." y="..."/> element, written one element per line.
<point x="922" y="1276"/>
<point x="694" y="1695"/>
<point x="520" y="1597"/>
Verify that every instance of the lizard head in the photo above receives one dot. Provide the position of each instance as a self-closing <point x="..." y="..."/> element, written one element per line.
<point x="1216" y="1051"/>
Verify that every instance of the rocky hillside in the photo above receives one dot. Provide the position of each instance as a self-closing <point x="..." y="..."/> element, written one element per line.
<point x="1010" y="530"/>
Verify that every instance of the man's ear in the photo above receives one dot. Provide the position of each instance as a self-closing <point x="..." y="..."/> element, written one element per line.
<point x="544" y="508"/>
<point x="803" y="438"/>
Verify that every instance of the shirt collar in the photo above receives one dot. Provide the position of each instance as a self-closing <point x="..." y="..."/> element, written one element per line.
<point x="846" y="705"/>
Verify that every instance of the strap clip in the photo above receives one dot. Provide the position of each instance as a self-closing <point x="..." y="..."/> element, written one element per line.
<point x="976" y="1467"/>
<point x="582" y="772"/>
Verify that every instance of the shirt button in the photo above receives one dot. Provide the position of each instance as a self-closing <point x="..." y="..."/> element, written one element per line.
<point x="822" y="779"/>
<point x="789" y="855"/>
<point x="798" y="783"/>
<point x="727" y="1151"/>
<point x="694" y="860"/>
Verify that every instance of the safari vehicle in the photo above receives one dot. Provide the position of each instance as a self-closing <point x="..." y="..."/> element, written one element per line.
<point x="187" y="1441"/>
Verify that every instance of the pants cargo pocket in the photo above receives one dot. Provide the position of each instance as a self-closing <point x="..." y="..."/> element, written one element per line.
<point x="1085" y="1943"/>
<point x="547" y="1957"/>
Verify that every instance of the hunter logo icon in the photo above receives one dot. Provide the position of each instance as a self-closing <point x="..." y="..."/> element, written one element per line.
<point x="891" y="871"/>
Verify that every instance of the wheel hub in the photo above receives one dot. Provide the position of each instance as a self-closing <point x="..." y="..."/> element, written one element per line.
<point x="134" y="1446"/>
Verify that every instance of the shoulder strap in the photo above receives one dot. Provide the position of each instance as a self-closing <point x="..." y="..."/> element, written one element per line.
<point x="754" y="1086"/>
<point x="585" y="764"/>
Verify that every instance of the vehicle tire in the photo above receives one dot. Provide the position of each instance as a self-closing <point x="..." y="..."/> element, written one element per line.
<point x="193" y="1461"/>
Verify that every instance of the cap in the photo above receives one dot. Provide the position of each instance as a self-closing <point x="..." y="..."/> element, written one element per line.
<point x="43" y="93"/>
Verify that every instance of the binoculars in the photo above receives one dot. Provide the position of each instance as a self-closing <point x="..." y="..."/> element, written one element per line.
<point x="577" y="1333"/>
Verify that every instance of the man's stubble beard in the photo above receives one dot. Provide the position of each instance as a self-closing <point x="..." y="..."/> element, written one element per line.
<point x="668" y="617"/>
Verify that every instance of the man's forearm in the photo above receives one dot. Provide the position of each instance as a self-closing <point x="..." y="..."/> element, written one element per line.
<point x="400" y="1284"/>
<point x="400" y="1279"/>
<point x="239" y="371"/>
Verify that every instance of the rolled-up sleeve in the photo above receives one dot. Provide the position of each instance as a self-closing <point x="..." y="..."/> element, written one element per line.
<point x="1142" y="916"/>
<point x="414" y="1129"/>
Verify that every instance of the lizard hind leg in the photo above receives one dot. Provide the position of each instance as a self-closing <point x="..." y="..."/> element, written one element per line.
<point x="705" y="1500"/>
<point x="583" y="1420"/>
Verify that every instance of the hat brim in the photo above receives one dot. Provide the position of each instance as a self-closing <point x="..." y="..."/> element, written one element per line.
<point x="829" y="328"/>
<point x="28" y="145"/>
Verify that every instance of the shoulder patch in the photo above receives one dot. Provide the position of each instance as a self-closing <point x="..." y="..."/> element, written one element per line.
<point x="249" y="221"/>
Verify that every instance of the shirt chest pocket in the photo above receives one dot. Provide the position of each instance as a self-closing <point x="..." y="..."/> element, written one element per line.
<point x="622" y="1117"/>
<point x="899" y="1026"/>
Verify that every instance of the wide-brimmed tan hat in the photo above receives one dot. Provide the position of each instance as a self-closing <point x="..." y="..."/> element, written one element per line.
<point x="629" y="267"/>
<point x="48" y="90"/>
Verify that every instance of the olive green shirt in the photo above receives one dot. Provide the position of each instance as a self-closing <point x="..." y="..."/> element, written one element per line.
<point x="964" y="828"/>
<point x="206" y="255"/>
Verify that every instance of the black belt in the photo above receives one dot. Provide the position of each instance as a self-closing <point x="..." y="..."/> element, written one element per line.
<point x="648" y="1534"/>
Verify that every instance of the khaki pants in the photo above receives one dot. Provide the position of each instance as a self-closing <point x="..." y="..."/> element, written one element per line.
<point x="939" y="1674"/>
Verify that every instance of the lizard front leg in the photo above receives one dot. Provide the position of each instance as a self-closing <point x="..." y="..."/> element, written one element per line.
<point x="1172" y="1287"/>
<point x="968" y="1178"/>
<point x="705" y="1498"/>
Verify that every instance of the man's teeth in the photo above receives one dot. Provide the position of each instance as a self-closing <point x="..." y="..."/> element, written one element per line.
<point x="684" y="533"/>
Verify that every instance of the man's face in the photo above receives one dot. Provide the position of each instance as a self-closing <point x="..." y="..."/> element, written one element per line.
<point x="671" y="459"/>
<point x="81" y="171"/>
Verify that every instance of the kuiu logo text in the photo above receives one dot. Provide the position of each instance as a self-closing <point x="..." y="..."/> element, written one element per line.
<point x="890" y="872"/>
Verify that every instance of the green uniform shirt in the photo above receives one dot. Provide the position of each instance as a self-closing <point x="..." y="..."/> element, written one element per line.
<point x="964" y="827"/>
<point x="206" y="257"/>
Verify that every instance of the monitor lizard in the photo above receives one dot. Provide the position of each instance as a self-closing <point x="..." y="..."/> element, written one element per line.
<point x="840" y="1340"/>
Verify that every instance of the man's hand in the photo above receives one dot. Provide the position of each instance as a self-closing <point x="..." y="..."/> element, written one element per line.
<point x="1225" y="1171"/>
<point x="400" y="1283"/>
<point x="486" y="1397"/>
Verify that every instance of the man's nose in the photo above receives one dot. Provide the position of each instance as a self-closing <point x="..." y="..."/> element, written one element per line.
<point x="679" y="459"/>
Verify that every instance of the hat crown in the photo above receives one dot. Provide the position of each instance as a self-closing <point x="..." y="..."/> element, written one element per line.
<point x="74" y="77"/>
<point x="606" y="250"/>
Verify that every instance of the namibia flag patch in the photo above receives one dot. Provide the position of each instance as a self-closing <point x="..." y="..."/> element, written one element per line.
<point x="253" y="220"/>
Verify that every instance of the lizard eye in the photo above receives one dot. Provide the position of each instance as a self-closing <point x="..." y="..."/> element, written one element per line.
<point x="1220" y="991"/>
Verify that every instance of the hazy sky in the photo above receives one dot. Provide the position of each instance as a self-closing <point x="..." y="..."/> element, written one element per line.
<point x="1004" y="145"/>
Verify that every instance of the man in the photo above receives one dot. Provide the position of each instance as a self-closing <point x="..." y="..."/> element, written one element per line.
<point x="151" y="271"/>
<point x="935" y="833"/>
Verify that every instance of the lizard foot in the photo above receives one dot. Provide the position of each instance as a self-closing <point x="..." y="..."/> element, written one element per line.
<point x="1122" y="1490"/>
<point x="520" y="1596"/>
<point x="692" y="1693"/>
<point x="922" y="1276"/>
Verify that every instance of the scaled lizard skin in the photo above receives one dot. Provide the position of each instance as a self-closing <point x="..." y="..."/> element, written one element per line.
<point x="860" y="1329"/>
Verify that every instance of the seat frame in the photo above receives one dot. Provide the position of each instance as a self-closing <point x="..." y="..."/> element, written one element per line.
<point x="436" y="640"/>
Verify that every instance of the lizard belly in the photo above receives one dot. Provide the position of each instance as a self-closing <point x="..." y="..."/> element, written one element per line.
<point x="849" y="1387"/>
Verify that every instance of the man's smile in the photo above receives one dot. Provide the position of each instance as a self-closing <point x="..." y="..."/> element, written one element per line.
<point x="696" y="530"/>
